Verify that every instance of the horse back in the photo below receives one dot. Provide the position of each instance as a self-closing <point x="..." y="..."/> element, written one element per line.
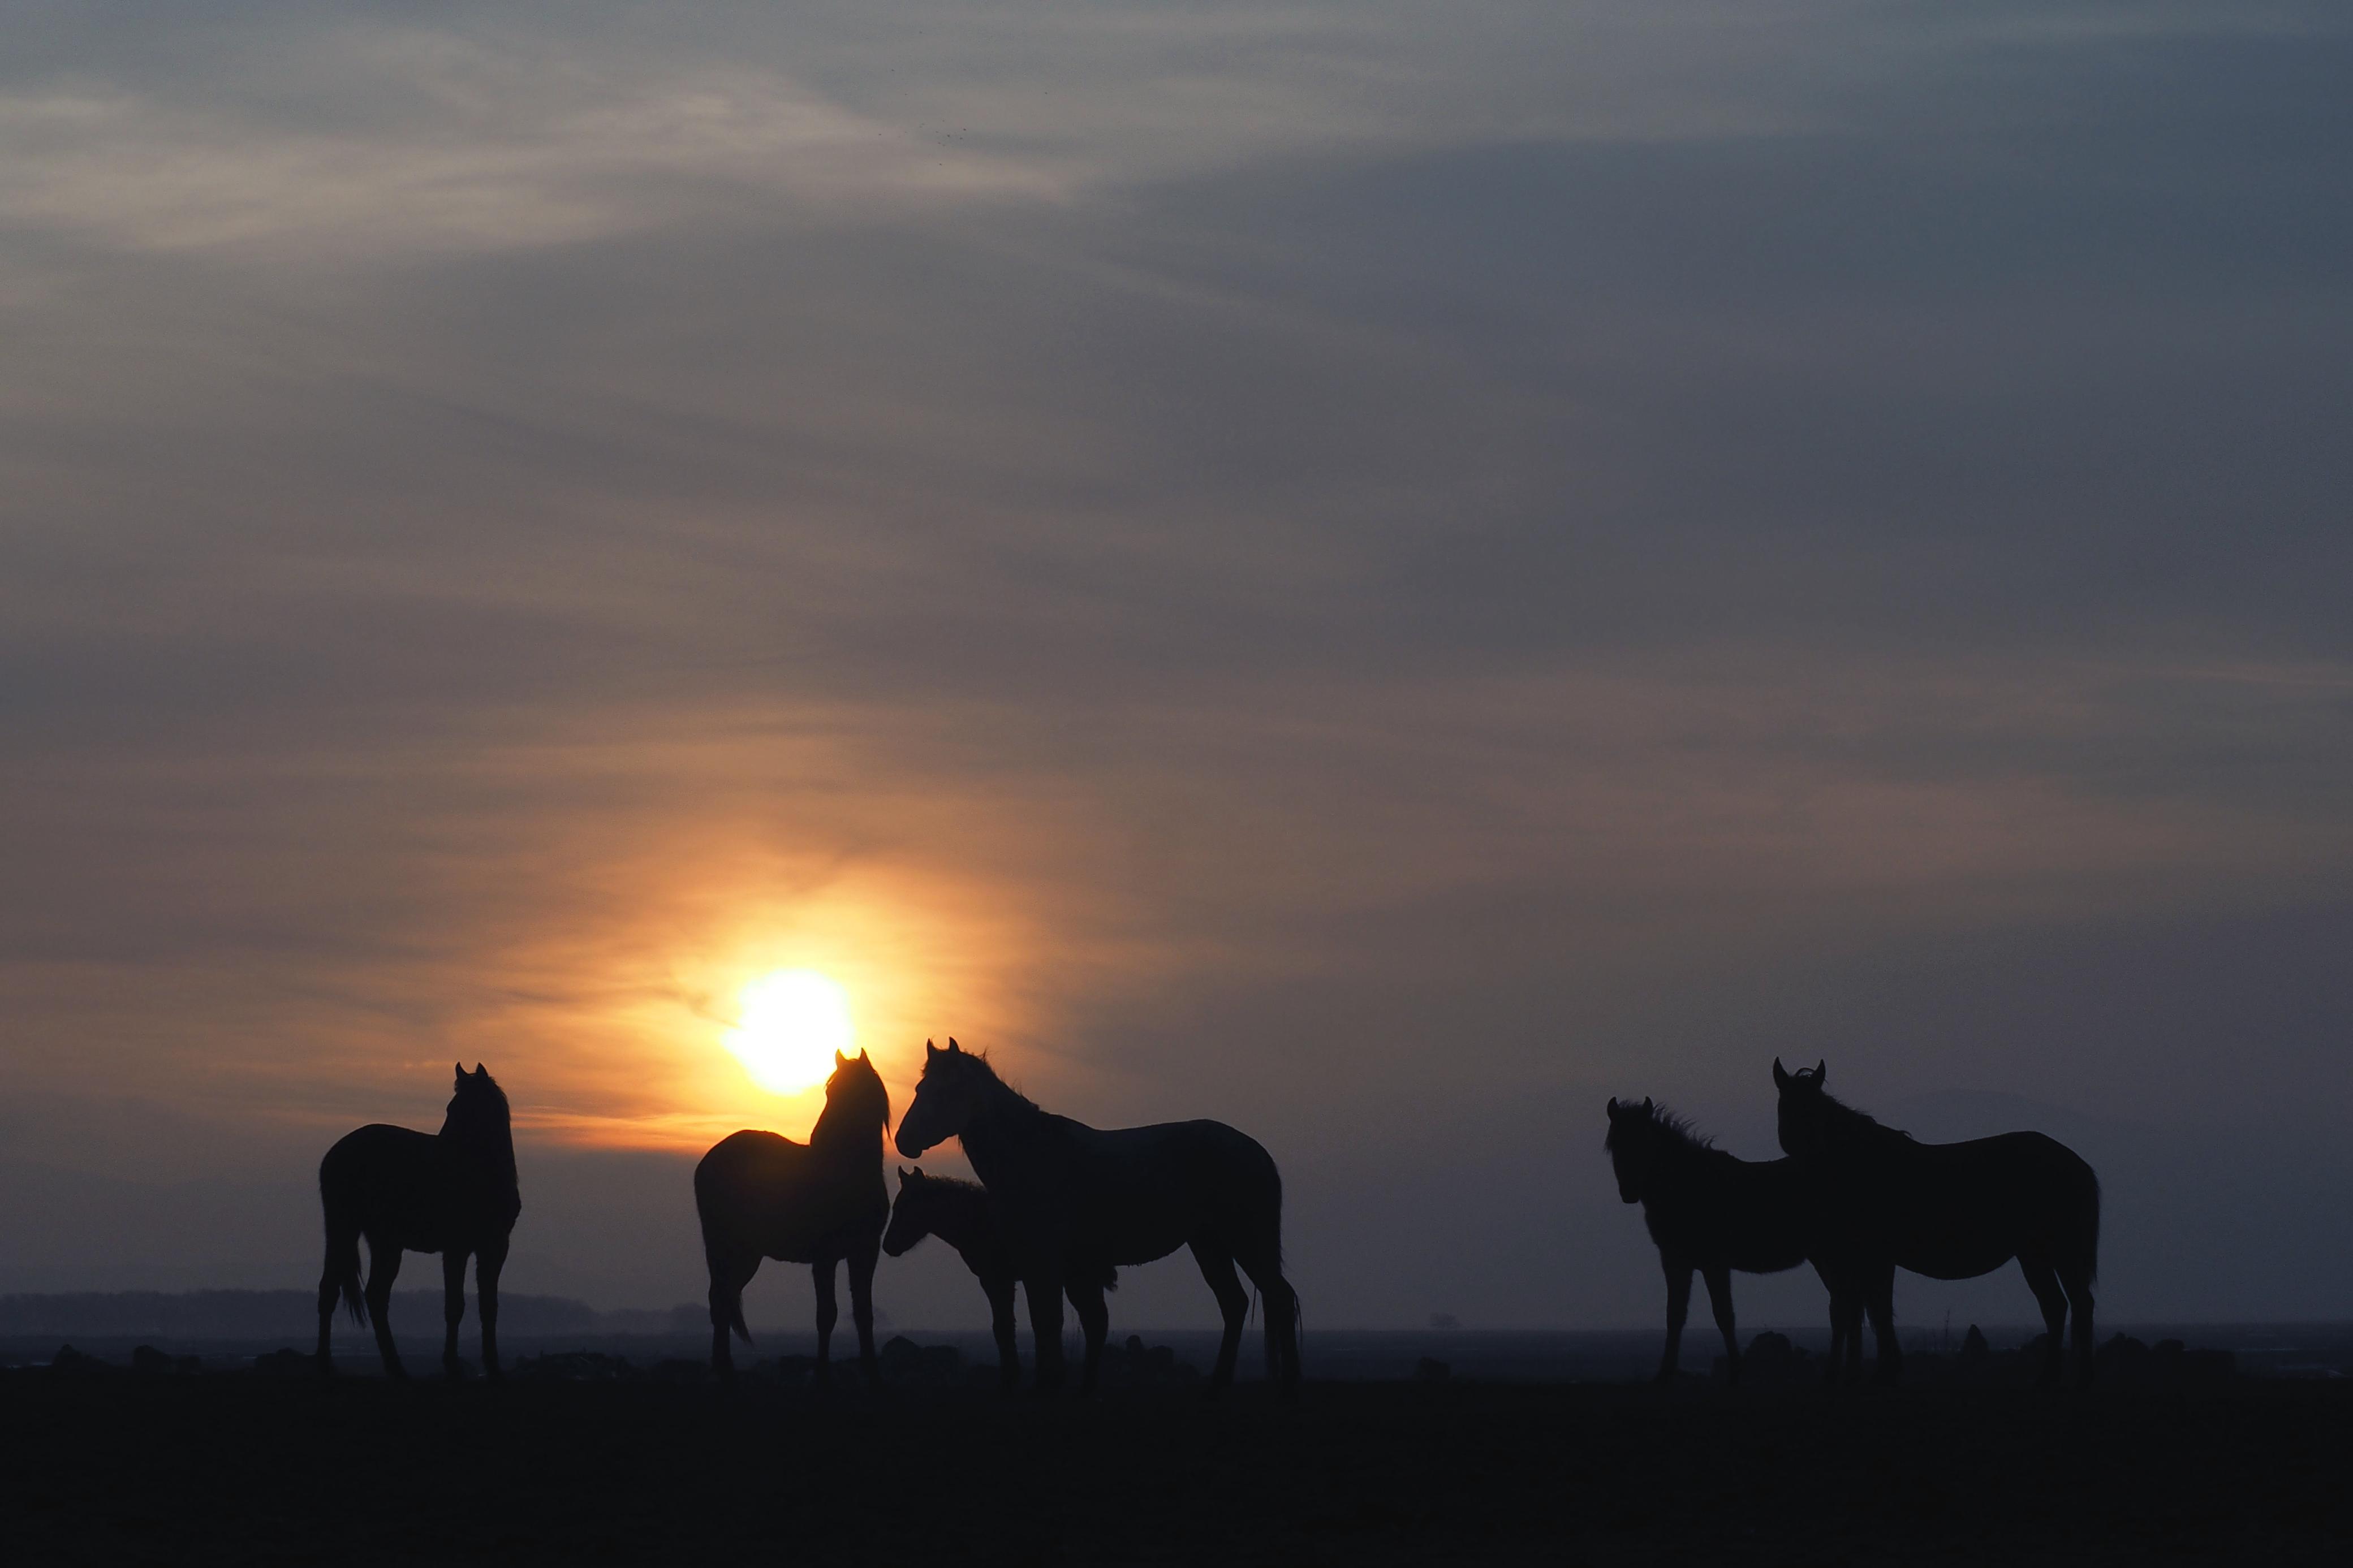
<point x="1955" y="1210"/>
<point x="1135" y="1193"/>
<point x="411" y="1189"/>
<point x="761" y="1191"/>
<point x="1757" y="1216"/>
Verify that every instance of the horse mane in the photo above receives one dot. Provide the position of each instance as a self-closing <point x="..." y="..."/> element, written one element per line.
<point x="1004" y="1098"/>
<point x="1851" y="1120"/>
<point x="954" y="1183"/>
<point x="487" y="1081"/>
<point x="1675" y="1127"/>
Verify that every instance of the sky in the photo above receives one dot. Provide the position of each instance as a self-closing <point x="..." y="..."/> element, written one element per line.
<point x="1381" y="572"/>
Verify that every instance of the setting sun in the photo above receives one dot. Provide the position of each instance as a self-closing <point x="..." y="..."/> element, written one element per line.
<point x="790" y="1026"/>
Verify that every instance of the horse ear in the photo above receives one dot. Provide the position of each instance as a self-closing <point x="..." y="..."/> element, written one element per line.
<point x="903" y="1175"/>
<point x="861" y="1053"/>
<point x="1822" y="1073"/>
<point x="1647" y="1108"/>
<point x="840" y="1060"/>
<point x="954" y="1049"/>
<point x="461" y="1070"/>
<point x="481" y="1071"/>
<point x="1613" y="1107"/>
<point x="930" y="1050"/>
<point x="1780" y="1073"/>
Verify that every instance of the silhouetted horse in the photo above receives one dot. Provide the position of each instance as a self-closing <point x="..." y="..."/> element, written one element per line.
<point x="1709" y="1211"/>
<point x="453" y="1193"/>
<point x="760" y="1196"/>
<point x="1075" y="1202"/>
<point x="1950" y="1210"/>
<point x="960" y="1214"/>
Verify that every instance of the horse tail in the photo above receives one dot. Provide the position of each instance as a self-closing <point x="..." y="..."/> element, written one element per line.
<point x="343" y="1269"/>
<point x="1295" y="1328"/>
<point x="735" y="1324"/>
<point x="1280" y="1298"/>
<point x="2092" y="1230"/>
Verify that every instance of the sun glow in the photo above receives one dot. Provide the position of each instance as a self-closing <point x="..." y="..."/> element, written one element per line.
<point x="788" y="1028"/>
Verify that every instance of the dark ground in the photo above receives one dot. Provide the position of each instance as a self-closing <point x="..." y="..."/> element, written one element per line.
<point x="217" y="1467"/>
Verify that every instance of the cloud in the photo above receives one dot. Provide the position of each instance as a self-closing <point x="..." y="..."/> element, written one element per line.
<point x="481" y="150"/>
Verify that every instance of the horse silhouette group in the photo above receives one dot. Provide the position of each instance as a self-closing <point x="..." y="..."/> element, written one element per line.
<point x="1859" y="1201"/>
<point x="1062" y="1206"/>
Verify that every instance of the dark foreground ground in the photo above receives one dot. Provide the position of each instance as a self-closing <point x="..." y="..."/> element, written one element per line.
<point x="247" y="1469"/>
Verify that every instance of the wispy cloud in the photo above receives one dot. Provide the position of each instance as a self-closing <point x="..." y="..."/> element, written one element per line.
<point x="472" y="149"/>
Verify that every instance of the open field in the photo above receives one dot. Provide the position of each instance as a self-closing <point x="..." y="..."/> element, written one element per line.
<point x="229" y="1467"/>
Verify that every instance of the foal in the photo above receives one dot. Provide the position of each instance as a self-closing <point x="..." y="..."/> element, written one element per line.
<point x="1709" y="1211"/>
<point x="958" y="1212"/>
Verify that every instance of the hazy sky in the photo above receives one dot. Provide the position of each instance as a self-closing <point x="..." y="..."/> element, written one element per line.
<point x="1378" y="572"/>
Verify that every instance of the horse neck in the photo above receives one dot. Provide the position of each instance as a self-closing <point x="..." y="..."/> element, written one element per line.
<point x="1002" y="1128"/>
<point x="1846" y="1130"/>
<point x="488" y="1141"/>
<point x="1680" y="1174"/>
<point x="844" y="1136"/>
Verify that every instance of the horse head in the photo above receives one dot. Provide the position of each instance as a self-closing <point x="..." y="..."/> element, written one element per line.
<point x="1632" y="1144"/>
<point x="856" y="1103"/>
<point x="1805" y="1109"/>
<point x="946" y="1098"/>
<point x="910" y="1216"/>
<point x="478" y="1106"/>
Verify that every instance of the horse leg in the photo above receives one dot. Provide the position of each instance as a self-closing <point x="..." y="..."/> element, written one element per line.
<point x="1095" y="1322"/>
<point x="1233" y="1301"/>
<point x="729" y="1275"/>
<point x="2044" y="1280"/>
<point x="826" y="1314"/>
<point x="339" y="1278"/>
<point x="1838" y="1295"/>
<point x="1679" y="1273"/>
<point x="2077" y="1280"/>
<point x="1719" y="1298"/>
<point x="1045" y="1294"/>
<point x="861" y="1305"/>
<point x="383" y="1267"/>
<point x="1000" y="1324"/>
<point x="1851" y="1313"/>
<point x="453" y="1309"/>
<point x="487" y="1264"/>
<point x="1881" y="1301"/>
